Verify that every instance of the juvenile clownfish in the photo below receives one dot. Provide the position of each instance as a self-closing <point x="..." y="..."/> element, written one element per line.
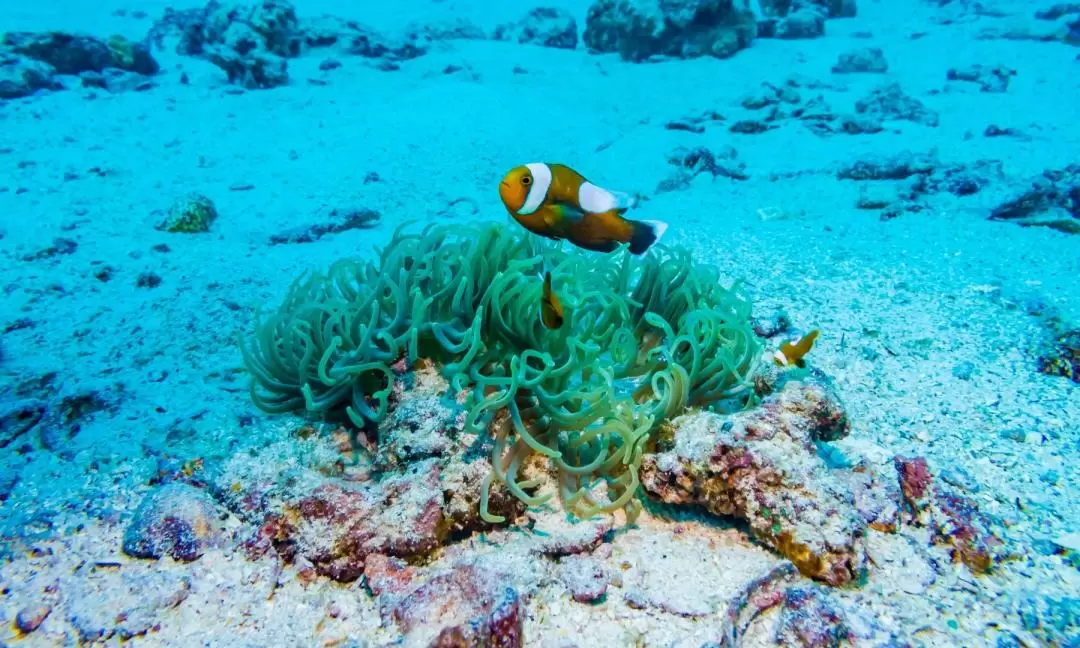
<point x="556" y="202"/>
<point x="791" y="353"/>
<point x="551" y="310"/>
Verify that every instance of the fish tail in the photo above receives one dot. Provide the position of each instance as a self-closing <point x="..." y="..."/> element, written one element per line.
<point x="645" y="234"/>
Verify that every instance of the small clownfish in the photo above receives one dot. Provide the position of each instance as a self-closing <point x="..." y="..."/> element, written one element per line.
<point x="551" y="310"/>
<point x="791" y="353"/>
<point x="554" y="201"/>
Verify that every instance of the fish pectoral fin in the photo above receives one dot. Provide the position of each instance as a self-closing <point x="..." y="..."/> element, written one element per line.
<point x="566" y="212"/>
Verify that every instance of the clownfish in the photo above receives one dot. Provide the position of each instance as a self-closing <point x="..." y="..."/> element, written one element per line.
<point x="556" y="202"/>
<point x="791" y="353"/>
<point x="551" y="310"/>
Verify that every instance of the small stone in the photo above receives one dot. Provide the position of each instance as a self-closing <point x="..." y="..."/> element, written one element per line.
<point x="189" y="214"/>
<point x="148" y="280"/>
<point x="30" y="618"/>
<point x="1050" y="477"/>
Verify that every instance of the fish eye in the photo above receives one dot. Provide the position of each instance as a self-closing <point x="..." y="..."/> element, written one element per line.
<point x="525" y="180"/>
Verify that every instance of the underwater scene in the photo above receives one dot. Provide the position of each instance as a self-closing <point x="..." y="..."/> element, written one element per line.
<point x="579" y="324"/>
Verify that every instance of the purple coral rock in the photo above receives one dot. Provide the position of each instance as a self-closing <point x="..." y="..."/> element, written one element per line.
<point x="337" y="528"/>
<point x="585" y="578"/>
<point x="761" y="466"/>
<point x="466" y="606"/>
<point x="810" y="619"/>
<point x="177" y="520"/>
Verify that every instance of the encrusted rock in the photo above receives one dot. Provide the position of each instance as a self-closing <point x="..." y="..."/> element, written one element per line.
<point x="808" y="22"/>
<point x="890" y="102"/>
<point x="761" y="466"/>
<point x="464" y="606"/>
<point x="177" y="520"/>
<point x="75" y="53"/>
<point x="1051" y="199"/>
<point x="1062" y="356"/>
<point x="337" y="528"/>
<point x="543" y="26"/>
<point x="955" y="521"/>
<point x="810" y="618"/>
<point x="189" y="214"/>
<point x="639" y="29"/>
<point x="584" y="577"/>
<point x="865" y="59"/>
<point x="22" y="76"/>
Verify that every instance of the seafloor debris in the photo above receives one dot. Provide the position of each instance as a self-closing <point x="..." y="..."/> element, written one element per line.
<point x="544" y="26"/>
<point x="691" y="162"/>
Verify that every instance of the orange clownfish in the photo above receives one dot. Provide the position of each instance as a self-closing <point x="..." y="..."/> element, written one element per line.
<point x="791" y="353"/>
<point x="551" y="310"/>
<point x="555" y="201"/>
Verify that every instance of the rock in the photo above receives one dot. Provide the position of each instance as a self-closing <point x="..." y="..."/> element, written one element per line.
<point x="990" y="78"/>
<point x="352" y="38"/>
<point x="340" y="220"/>
<point x="177" y="520"/>
<point x="17" y="417"/>
<point x="189" y="214"/>
<point x="802" y="23"/>
<point x="75" y="53"/>
<point x="691" y="162"/>
<point x="268" y="25"/>
<point x="453" y="29"/>
<point x="29" y="619"/>
<point x="256" y="70"/>
<point x="1051" y="199"/>
<point x="337" y="527"/>
<point x="542" y="26"/>
<point x="873" y="196"/>
<point x="464" y="606"/>
<point x="584" y="577"/>
<point x="761" y="466"/>
<point x="890" y="102"/>
<point x="809" y="618"/>
<point x="640" y="29"/>
<point x="862" y="60"/>
<point x="22" y="77"/>
<point x="895" y="167"/>
<point x="955" y="521"/>
<point x="877" y="496"/>
<point x="1061" y="357"/>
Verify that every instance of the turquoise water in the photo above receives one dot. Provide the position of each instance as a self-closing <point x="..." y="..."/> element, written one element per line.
<point x="894" y="175"/>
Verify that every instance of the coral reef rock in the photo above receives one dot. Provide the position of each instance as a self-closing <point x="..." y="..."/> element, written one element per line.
<point x="542" y="26"/>
<point x="761" y="466"/>
<point x="640" y="29"/>
<point x="76" y="53"/>
<point x="177" y="520"/>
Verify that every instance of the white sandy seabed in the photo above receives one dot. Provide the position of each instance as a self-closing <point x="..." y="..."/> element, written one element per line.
<point x="927" y="319"/>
